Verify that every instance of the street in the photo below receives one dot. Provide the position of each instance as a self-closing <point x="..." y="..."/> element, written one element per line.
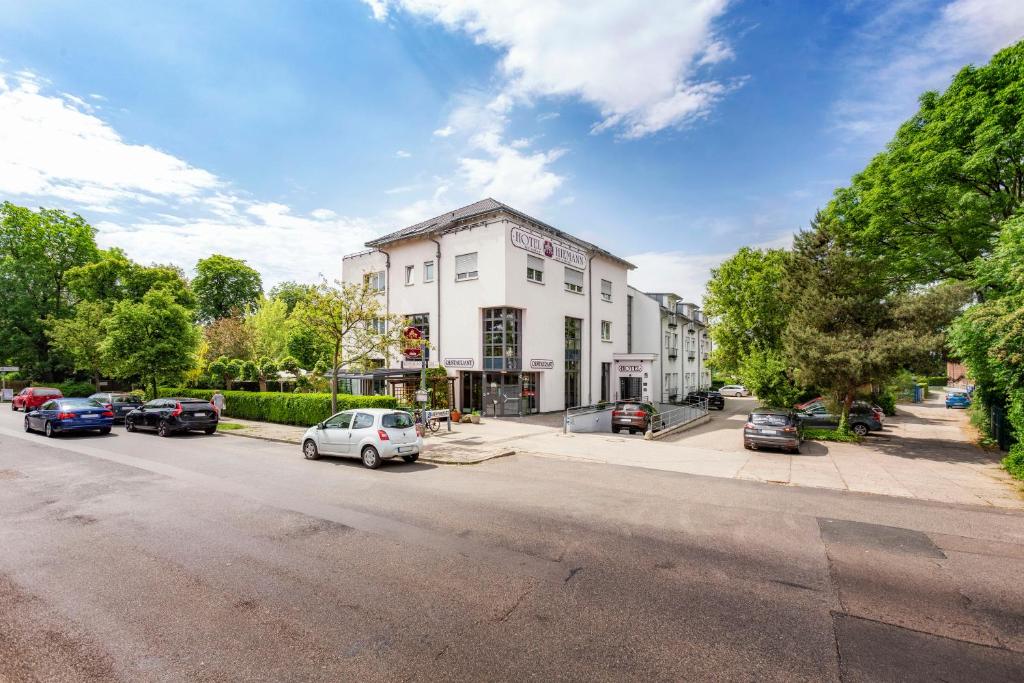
<point x="133" y="557"/>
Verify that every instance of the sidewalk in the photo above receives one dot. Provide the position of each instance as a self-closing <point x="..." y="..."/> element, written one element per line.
<point x="458" y="447"/>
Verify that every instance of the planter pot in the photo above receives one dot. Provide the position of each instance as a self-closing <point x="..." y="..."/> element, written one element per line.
<point x="475" y="419"/>
<point x="456" y="416"/>
<point x="466" y="419"/>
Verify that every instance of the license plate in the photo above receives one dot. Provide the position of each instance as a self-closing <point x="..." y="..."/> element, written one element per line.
<point x="199" y="414"/>
<point x="769" y="431"/>
<point x="90" y="416"/>
<point x="404" y="449"/>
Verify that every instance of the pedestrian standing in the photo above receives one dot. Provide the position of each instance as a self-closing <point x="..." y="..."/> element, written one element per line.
<point x="218" y="402"/>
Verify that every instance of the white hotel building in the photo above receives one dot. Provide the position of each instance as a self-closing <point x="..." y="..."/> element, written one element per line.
<point x="525" y="317"/>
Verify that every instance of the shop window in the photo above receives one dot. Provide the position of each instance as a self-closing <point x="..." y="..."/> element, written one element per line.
<point x="465" y="267"/>
<point x="606" y="290"/>
<point x="375" y="281"/>
<point x="573" y="280"/>
<point x="428" y="271"/>
<point x="606" y="331"/>
<point x="410" y="275"/>
<point x="573" y="357"/>
<point x="535" y="269"/>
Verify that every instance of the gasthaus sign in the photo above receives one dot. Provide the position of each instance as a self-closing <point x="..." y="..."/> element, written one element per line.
<point x="550" y="248"/>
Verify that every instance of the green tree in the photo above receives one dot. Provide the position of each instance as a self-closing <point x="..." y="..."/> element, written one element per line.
<point x="80" y="338"/>
<point x="305" y="345"/>
<point x="154" y="339"/>
<point x="267" y="328"/>
<point x="37" y="249"/>
<point x="291" y="293"/>
<point x="745" y="305"/>
<point x="261" y="370"/>
<point x="228" y="337"/>
<point x="768" y="376"/>
<point x="847" y="328"/>
<point x="227" y="370"/>
<point x="225" y="286"/>
<point x="352" y="319"/>
<point x="113" y="277"/>
<point x="933" y="201"/>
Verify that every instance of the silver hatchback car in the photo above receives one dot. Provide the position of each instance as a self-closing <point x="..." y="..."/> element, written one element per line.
<point x="371" y="434"/>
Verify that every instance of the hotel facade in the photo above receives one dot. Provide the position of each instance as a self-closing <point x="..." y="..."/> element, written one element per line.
<point x="523" y="317"/>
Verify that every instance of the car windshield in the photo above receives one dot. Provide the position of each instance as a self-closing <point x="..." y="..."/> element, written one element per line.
<point x="47" y="392"/>
<point x="80" y="403"/>
<point x="632" y="406"/>
<point x="768" y="419"/>
<point x="134" y="400"/>
<point x="397" y="420"/>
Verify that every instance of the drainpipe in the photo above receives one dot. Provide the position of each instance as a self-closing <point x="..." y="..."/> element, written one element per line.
<point x="590" y="332"/>
<point x="437" y="282"/>
<point x="387" y="286"/>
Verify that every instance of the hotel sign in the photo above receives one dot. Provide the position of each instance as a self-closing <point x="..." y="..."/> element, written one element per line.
<point x="463" y="363"/>
<point x="630" y="369"/>
<point x="550" y="248"/>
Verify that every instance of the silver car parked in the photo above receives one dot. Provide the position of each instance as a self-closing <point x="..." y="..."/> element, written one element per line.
<point x="371" y="434"/>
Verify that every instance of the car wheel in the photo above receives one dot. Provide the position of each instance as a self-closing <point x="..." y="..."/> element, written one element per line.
<point x="28" y="427"/>
<point x="105" y="430"/>
<point x="310" y="451"/>
<point x="860" y="429"/>
<point x="14" y="407"/>
<point x="209" y="430"/>
<point x="411" y="458"/>
<point x="371" y="458"/>
<point x="163" y="429"/>
<point x="615" y="430"/>
<point x="129" y="425"/>
<point x="48" y="430"/>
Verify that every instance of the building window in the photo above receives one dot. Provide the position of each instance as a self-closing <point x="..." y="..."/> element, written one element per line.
<point x="573" y="280"/>
<point x="502" y="340"/>
<point x="606" y="331"/>
<point x="378" y="325"/>
<point x="375" y="281"/>
<point x="428" y="271"/>
<point x="465" y="267"/>
<point x="410" y="275"/>
<point x="606" y="290"/>
<point x="573" y="358"/>
<point x="421" y="321"/>
<point x="535" y="269"/>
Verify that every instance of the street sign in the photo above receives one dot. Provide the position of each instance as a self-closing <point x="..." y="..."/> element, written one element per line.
<point x="9" y="368"/>
<point x="413" y="351"/>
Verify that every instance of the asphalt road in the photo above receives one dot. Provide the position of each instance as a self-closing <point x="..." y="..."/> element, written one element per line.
<point x="131" y="557"/>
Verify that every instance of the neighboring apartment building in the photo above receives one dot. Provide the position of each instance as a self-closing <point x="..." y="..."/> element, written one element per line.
<point x="670" y="341"/>
<point x="527" y="317"/>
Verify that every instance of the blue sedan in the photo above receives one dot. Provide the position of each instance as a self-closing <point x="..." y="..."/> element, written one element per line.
<point x="70" y="415"/>
<point x="958" y="399"/>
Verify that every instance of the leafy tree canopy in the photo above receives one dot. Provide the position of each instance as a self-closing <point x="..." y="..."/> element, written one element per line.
<point x="744" y="299"/>
<point x="267" y="327"/>
<point x="291" y="293"/>
<point x="114" y="277"/>
<point x="80" y="338"/>
<point x="225" y="286"/>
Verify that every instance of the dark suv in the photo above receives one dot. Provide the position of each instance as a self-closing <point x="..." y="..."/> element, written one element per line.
<point x="863" y="418"/>
<point x="634" y="417"/>
<point x="170" y="415"/>
<point x="774" y="428"/>
<point x="121" y="403"/>
<point x="714" y="399"/>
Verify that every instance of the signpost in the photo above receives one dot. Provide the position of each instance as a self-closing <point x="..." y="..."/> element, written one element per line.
<point x="5" y="393"/>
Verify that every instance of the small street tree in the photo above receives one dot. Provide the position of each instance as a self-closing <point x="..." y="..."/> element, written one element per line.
<point x="261" y="370"/>
<point x="153" y="339"/>
<point x="80" y="339"/>
<point x="350" y="318"/>
<point x="227" y="369"/>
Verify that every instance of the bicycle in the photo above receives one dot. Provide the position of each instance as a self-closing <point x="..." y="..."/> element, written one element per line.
<point x="433" y="423"/>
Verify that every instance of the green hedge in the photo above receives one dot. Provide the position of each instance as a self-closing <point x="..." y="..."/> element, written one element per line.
<point x="272" y="406"/>
<point x="938" y="381"/>
<point x="76" y="389"/>
<point x="1014" y="462"/>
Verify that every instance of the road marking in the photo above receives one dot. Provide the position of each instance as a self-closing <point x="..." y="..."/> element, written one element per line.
<point x="503" y="558"/>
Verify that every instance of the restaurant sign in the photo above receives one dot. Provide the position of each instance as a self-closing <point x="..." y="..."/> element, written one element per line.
<point x="550" y="248"/>
<point x="542" y="364"/>
<point x="463" y="363"/>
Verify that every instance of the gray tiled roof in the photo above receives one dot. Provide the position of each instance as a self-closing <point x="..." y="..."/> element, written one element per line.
<point x="439" y="224"/>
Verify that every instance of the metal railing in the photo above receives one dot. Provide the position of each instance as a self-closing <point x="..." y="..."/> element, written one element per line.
<point x="679" y="415"/>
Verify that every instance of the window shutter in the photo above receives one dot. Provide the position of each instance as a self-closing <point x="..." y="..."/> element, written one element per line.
<point x="606" y="288"/>
<point x="465" y="266"/>
<point x="534" y="262"/>
<point x="574" y="277"/>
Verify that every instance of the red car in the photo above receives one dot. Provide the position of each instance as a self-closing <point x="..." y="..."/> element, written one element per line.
<point x="31" y="398"/>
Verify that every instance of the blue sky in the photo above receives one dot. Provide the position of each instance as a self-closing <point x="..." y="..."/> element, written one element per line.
<point x="289" y="133"/>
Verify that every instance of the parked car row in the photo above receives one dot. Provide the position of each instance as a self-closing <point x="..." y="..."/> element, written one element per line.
<point x="49" y="412"/>
<point x="784" y="428"/>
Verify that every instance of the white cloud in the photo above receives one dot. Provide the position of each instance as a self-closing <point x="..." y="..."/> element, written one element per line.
<point x="445" y="132"/>
<point x="638" y="66"/>
<point x="898" y="60"/>
<point x="54" y="146"/>
<point x="55" y="151"/>
<point x="402" y="154"/>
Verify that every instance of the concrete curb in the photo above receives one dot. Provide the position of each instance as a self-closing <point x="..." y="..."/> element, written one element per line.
<point x="234" y="432"/>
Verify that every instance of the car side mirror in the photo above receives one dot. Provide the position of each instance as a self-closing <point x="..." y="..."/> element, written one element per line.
<point x="319" y="425"/>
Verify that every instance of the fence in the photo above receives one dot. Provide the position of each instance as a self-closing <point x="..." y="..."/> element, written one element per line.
<point x="673" y="415"/>
<point x="598" y="418"/>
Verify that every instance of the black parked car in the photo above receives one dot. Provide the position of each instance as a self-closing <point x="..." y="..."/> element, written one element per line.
<point x="119" y="402"/>
<point x="863" y="418"/>
<point x="169" y="415"/>
<point x="775" y="428"/>
<point x="715" y="400"/>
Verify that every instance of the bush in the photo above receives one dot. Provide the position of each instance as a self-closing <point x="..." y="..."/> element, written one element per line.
<point x="830" y="435"/>
<point x="272" y="406"/>
<point x="886" y="400"/>
<point x="1014" y="462"/>
<point x="76" y="389"/>
<point x="937" y="381"/>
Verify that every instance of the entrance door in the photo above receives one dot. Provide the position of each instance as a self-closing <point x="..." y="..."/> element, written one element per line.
<point x="502" y="394"/>
<point x="630" y="388"/>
